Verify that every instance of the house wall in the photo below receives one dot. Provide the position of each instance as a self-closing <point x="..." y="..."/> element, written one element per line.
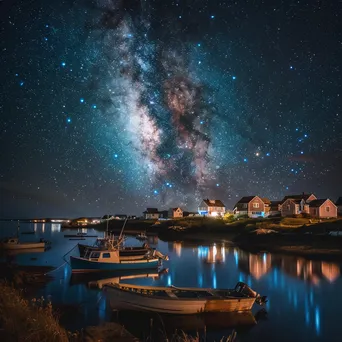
<point x="322" y="211"/>
<point x="219" y="210"/>
<point x="176" y="213"/>
<point x="311" y="198"/>
<point x="151" y="216"/>
<point x="339" y="210"/>
<point x="288" y="208"/>
<point x="255" y="212"/>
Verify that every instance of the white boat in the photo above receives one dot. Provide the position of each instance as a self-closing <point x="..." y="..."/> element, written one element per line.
<point x="14" y="243"/>
<point x="109" y="260"/>
<point x="181" y="300"/>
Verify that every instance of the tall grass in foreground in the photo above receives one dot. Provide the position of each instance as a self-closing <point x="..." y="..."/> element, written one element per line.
<point x="22" y="320"/>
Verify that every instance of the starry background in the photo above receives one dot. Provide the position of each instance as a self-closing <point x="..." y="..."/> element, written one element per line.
<point x="112" y="106"/>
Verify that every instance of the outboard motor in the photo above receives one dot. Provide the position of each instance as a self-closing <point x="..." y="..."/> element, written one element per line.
<point x="245" y="290"/>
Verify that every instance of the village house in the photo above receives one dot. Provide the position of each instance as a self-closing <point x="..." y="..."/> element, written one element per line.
<point x="296" y="204"/>
<point x="211" y="207"/>
<point x="151" y="214"/>
<point x="339" y="206"/>
<point x="252" y="206"/>
<point x="175" y="213"/>
<point x="322" y="208"/>
<point x="275" y="208"/>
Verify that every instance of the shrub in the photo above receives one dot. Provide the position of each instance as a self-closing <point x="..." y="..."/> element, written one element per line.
<point x="28" y="321"/>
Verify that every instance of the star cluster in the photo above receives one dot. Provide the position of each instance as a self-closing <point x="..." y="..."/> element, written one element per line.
<point x="112" y="106"/>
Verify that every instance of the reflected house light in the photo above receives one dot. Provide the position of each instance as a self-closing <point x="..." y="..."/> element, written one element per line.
<point x="330" y="271"/>
<point x="43" y="227"/>
<point x="35" y="227"/>
<point x="178" y="248"/>
<point x="55" y="227"/>
<point x="223" y="254"/>
<point x="236" y="257"/>
<point x="214" y="280"/>
<point x="259" y="266"/>
<point x="317" y="320"/>
<point x="169" y="281"/>
<point x="200" y="280"/>
<point x="307" y="311"/>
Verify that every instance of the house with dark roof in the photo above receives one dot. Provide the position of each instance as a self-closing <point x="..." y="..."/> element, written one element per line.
<point x="175" y="212"/>
<point x="339" y="206"/>
<point x="275" y="208"/>
<point x="252" y="206"/>
<point x="151" y="214"/>
<point x="322" y="208"/>
<point x="210" y="207"/>
<point x="296" y="204"/>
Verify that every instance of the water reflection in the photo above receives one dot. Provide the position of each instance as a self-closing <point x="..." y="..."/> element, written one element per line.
<point x="303" y="294"/>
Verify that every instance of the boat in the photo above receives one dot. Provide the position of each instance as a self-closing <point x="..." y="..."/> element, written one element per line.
<point x="109" y="260"/>
<point x="181" y="300"/>
<point x="126" y="253"/>
<point x="14" y="243"/>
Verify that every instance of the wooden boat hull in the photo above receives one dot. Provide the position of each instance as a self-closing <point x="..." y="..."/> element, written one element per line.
<point x="23" y="245"/>
<point x="125" y="300"/>
<point x="80" y="265"/>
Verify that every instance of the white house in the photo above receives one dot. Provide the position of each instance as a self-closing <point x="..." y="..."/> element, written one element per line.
<point x="211" y="207"/>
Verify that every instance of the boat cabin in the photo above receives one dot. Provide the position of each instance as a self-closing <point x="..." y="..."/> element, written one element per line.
<point x="102" y="256"/>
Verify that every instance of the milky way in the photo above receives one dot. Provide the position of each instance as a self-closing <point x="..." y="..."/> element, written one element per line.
<point x="118" y="105"/>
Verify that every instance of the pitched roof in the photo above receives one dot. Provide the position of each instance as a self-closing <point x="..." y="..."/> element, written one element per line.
<point x="151" y="211"/>
<point x="174" y="209"/>
<point x="266" y="200"/>
<point x="339" y="201"/>
<point x="213" y="203"/>
<point x="301" y="196"/>
<point x="246" y="199"/>
<point x="317" y="203"/>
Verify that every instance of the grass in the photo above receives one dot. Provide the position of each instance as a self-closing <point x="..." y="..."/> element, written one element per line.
<point x="22" y="320"/>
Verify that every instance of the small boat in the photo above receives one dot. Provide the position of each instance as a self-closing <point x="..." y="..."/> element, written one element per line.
<point x="181" y="300"/>
<point x="109" y="260"/>
<point x="141" y="236"/>
<point x="14" y="243"/>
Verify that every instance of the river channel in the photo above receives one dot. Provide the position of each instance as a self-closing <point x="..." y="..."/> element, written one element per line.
<point x="304" y="295"/>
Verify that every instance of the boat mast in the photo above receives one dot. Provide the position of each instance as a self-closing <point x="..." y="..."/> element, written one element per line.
<point x="18" y="227"/>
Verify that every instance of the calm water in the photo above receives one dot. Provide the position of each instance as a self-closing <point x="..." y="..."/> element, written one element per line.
<point x="304" y="296"/>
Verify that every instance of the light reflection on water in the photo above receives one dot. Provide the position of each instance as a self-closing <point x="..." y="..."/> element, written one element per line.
<point x="303" y="293"/>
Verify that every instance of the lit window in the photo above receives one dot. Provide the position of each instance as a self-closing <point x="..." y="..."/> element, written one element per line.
<point x="327" y="209"/>
<point x="255" y="205"/>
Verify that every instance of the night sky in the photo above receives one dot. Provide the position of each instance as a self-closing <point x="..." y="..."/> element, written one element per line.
<point x="112" y="106"/>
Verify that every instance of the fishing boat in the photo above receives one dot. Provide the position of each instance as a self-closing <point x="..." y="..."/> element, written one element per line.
<point x="109" y="260"/>
<point x="181" y="300"/>
<point x="14" y="243"/>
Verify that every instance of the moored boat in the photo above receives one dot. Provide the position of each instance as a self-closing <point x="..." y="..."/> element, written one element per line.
<point x="14" y="243"/>
<point x="181" y="300"/>
<point x="109" y="260"/>
<point x="126" y="253"/>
